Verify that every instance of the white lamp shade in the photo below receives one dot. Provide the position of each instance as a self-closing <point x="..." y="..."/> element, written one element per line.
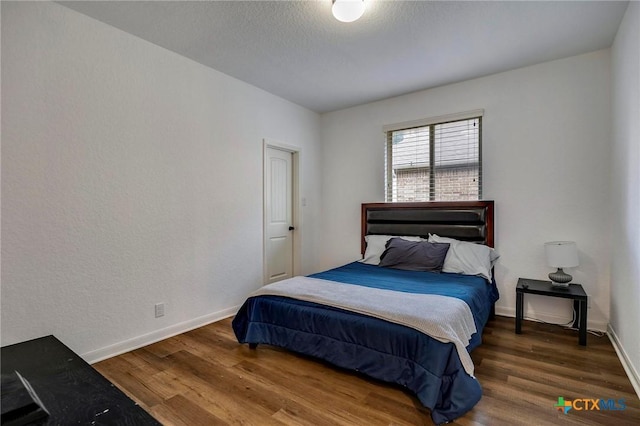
<point x="347" y="10"/>
<point x="561" y="254"/>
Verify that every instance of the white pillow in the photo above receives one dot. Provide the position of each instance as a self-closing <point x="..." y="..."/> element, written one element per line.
<point x="376" y="246"/>
<point x="467" y="258"/>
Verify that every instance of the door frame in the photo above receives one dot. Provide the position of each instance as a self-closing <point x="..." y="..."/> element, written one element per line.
<point x="296" y="216"/>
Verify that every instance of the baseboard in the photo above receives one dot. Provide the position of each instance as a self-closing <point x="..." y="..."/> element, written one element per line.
<point x="155" y="336"/>
<point x="632" y="373"/>
<point x="550" y="318"/>
<point x="505" y="312"/>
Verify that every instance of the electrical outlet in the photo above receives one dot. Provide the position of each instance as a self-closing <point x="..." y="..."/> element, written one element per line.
<point x="159" y="310"/>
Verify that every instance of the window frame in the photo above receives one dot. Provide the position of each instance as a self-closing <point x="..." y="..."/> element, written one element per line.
<point x="431" y="123"/>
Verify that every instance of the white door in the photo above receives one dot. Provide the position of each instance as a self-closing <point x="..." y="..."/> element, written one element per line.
<point x="278" y="179"/>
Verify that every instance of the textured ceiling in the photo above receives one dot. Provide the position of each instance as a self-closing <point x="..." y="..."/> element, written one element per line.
<point x="298" y="51"/>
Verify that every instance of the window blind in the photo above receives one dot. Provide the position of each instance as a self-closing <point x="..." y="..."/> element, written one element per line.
<point x="435" y="162"/>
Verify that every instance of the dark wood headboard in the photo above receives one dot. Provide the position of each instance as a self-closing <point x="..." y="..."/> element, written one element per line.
<point x="462" y="220"/>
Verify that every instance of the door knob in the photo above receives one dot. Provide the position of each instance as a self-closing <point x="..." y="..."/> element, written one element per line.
<point x="291" y="228"/>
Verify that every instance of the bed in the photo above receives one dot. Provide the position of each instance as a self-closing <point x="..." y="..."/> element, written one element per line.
<point x="329" y="315"/>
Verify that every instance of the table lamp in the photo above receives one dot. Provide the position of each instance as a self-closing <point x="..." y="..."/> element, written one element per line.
<point x="561" y="254"/>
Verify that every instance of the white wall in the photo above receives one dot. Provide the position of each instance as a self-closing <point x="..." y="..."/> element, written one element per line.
<point x="130" y="176"/>
<point x="118" y="188"/>
<point x="625" y="191"/>
<point x="546" y="163"/>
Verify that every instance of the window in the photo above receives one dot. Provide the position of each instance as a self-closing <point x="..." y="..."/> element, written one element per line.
<point x="435" y="160"/>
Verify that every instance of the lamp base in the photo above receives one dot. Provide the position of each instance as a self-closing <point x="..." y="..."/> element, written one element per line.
<point x="560" y="278"/>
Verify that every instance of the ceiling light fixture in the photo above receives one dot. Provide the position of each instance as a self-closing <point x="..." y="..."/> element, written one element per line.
<point x="347" y="10"/>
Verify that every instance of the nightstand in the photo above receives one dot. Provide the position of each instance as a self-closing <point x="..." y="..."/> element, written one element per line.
<point x="544" y="288"/>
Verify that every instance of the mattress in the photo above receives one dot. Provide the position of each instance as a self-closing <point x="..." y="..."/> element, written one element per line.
<point x="384" y="350"/>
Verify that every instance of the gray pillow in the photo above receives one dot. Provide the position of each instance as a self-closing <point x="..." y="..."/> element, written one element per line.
<point x="414" y="255"/>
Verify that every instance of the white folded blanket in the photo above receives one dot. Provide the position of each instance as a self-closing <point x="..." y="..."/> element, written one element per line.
<point x="444" y="318"/>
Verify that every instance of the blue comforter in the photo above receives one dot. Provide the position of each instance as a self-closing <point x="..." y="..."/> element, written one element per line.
<point x="380" y="349"/>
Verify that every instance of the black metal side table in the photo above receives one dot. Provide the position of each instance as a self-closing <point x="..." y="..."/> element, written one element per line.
<point x="544" y="288"/>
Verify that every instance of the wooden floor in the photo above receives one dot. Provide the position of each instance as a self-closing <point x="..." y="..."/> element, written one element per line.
<point x="204" y="377"/>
